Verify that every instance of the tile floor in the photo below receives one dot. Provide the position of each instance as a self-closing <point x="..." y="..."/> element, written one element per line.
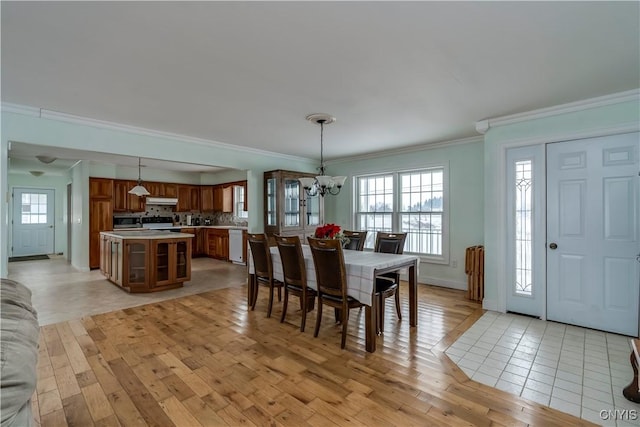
<point x="576" y="370"/>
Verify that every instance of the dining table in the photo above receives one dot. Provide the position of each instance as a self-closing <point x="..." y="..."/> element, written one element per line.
<point x="361" y="268"/>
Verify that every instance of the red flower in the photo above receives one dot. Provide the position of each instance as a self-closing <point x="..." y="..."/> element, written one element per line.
<point x="327" y="231"/>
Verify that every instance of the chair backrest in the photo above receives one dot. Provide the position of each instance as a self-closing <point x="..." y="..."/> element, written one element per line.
<point x="356" y="239"/>
<point x="328" y="260"/>
<point x="293" y="266"/>
<point x="261" y="255"/>
<point x="390" y="243"/>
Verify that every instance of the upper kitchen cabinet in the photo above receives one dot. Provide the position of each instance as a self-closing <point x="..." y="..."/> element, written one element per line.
<point x="161" y="189"/>
<point x="123" y="201"/>
<point x="101" y="188"/>
<point x="206" y="198"/>
<point x="188" y="198"/>
<point x="288" y="210"/>
<point x="223" y="198"/>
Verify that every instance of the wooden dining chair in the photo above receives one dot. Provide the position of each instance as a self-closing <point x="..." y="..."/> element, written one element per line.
<point x="295" y="276"/>
<point x="387" y="285"/>
<point x="331" y="278"/>
<point x="263" y="268"/>
<point x="356" y="239"/>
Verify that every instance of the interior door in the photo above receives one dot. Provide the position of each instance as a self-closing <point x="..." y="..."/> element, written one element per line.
<point x="33" y="221"/>
<point x="593" y="277"/>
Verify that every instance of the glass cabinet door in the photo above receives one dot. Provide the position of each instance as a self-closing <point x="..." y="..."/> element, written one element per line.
<point x="162" y="261"/>
<point x="291" y="203"/>
<point x="271" y="213"/>
<point x="181" y="260"/>
<point x="136" y="262"/>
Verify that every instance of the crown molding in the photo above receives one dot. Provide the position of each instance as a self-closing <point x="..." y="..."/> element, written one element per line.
<point x="20" y="109"/>
<point x="410" y="149"/>
<point x="102" y="124"/>
<point x="484" y="125"/>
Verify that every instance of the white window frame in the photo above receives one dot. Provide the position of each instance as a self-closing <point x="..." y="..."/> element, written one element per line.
<point x="396" y="214"/>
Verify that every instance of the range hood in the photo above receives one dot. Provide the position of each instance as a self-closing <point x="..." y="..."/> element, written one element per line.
<point x="166" y="201"/>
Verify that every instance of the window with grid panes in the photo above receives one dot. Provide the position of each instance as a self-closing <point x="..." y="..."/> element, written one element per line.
<point x="412" y="202"/>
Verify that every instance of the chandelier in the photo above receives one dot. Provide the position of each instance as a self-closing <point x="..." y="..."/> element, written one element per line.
<point x="322" y="184"/>
<point x="139" y="189"/>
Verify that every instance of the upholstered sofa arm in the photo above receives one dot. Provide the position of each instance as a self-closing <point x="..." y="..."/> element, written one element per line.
<point x="18" y="353"/>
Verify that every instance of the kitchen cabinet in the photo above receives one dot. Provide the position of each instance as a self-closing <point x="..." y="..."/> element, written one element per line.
<point x="194" y="241"/>
<point x="161" y="189"/>
<point x="100" y="188"/>
<point x="194" y="191"/>
<point x="218" y="243"/>
<point x="171" y="262"/>
<point x="100" y="215"/>
<point x="201" y="242"/>
<point x="188" y="198"/>
<point x="206" y="198"/>
<point x="123" y="201"/>
<point x="288" y="210"/>
<point x="223" y="198"/>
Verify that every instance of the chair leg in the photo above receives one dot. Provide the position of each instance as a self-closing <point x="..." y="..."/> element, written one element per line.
<point x="398" y="304"/>
<point x="270" y="300"/>
<point x="256" y="285"/>
<point x="279" y="293"/>
<point x="284" y="304"/>
<point x="303" y="302"/>
<point x="345" y="322"/>
<point x="318" y="317"/>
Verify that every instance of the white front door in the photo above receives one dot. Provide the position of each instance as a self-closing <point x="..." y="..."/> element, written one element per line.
<point x="593" y="237"/>
<point x="33" y="221"/>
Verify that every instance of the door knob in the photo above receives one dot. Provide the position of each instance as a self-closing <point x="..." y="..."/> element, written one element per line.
<point x="553" y="246"/>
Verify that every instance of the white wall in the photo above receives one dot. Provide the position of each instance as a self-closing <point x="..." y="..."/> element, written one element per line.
<point x="466" y="218"/>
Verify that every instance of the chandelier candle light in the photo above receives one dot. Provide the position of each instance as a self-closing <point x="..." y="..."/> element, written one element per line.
<point x="139" y="189"/>
<point x="322" y="184"/>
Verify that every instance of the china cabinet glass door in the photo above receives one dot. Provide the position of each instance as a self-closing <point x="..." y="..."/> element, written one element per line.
<point x="291" y="203"/>
<point x="312" y="210"/>
<point x="270" y="205"/>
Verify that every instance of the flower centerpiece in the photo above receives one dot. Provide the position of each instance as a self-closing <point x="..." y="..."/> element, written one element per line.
<point x="331" y="231"/>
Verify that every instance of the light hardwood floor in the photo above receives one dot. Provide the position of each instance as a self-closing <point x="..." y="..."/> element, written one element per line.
<point x="204" y="359"/>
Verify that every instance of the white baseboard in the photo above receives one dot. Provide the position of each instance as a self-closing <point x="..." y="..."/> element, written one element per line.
<point x="445" y="283"/>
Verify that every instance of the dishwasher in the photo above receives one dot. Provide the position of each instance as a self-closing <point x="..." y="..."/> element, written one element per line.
<point x="236" y="254"/>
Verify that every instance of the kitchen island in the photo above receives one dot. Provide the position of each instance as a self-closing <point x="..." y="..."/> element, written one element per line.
<point x="146" y="260"/>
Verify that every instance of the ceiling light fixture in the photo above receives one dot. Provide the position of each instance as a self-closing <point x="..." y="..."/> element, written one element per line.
<point x="139" y="190"/>
<point x="322" y="184"/>
<point x="46" y="159"/>
<point x="36" y="173"/>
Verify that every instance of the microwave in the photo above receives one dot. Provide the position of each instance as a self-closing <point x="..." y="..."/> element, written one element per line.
<point x="126" y="222"/>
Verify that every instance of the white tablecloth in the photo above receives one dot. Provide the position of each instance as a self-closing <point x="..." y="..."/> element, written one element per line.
<point x="360" y="268"/>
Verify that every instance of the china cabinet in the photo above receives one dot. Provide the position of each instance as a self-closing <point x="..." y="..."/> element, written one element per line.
<point x="288" y="210"/>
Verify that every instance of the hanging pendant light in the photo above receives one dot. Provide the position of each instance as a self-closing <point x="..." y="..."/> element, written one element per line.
<point x="139" y="190"/>
<point x="322" y="184"/>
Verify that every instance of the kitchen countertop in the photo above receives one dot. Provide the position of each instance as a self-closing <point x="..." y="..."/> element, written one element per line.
<point x="146" y="234"/>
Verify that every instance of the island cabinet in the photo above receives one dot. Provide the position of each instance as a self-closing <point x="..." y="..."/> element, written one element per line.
<point x="218" y="243"/>
<point x="145" y="265"/>
<point x="171" y="262"/>
<point x="288" y="210"/>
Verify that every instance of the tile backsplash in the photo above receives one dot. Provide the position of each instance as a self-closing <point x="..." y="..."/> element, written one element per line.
<point x="180" y="218"/>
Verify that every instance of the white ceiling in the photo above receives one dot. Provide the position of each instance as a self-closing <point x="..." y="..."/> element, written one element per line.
<point x="394" y="74"/>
